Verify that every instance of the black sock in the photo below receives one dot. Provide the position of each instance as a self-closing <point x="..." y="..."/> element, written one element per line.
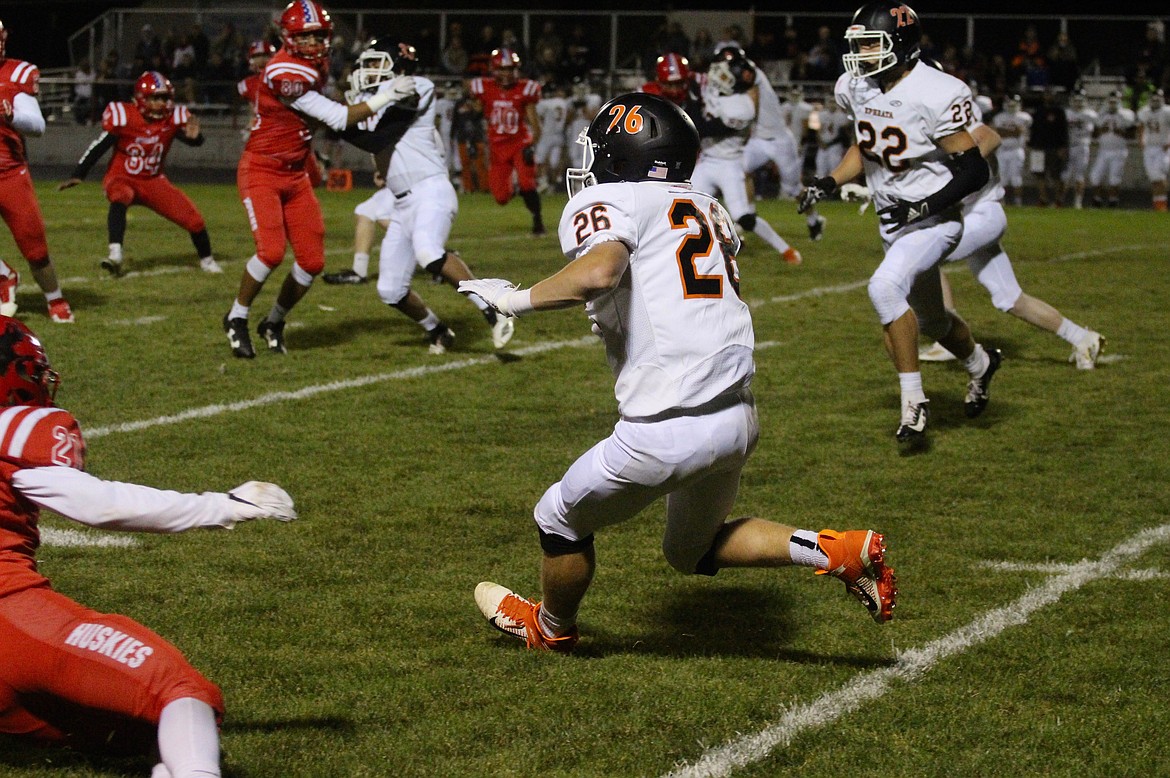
<point x="116" y="222"/>
<point x="532" y="203"/>
<point x="202" y="243"/>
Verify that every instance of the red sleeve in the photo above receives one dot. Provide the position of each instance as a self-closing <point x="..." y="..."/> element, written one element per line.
<point x="38" y="437"/>
<point x="26" y="77"/>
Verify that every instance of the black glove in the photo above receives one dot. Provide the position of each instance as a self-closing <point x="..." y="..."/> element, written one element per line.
<point x="528" y="155"/>
<point x="818" y="190"/>
<point x="903" y="212"/>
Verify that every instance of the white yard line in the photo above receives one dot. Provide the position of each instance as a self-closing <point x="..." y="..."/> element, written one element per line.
<point x="911" y="665"/>
<point x="71" y="538"/>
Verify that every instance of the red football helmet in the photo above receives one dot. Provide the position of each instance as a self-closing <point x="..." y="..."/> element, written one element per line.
<point x="3" y="40"/>
<point x="306" y="30"/>
<point x="153" y="85"/>
<point x="673" y="74"/>
<point x="259" y="52"/>
<point x="504" y="63"/>
<point x="26" y="377"/>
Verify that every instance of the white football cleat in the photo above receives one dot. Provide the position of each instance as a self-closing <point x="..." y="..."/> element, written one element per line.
<point x="935" y="352"/>
<point x="209" y="265"/>
<point x="503" y="330"/>
<point x="8" y="284"/>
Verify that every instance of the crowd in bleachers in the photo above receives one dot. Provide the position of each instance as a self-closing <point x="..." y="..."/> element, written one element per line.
<point x="567" y="50"/>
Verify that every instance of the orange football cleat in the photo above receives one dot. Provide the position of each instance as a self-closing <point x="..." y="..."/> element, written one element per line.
<point x="517" y="616"/>
<point x="792" y="256"/>
<point x="857" y="557"/>
<point x="60" y="312"/>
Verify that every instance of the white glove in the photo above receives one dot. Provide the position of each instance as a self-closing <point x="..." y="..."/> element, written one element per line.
<point x="399" y="89"/>
<point x="856" y="193"/>
<point x="260" y="500"/>
<point x="501" y="295"/>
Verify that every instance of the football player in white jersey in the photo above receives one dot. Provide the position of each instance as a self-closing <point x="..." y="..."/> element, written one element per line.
<point x="984" y="224"/>
<point x="919" y="161"/>
<point x="553" y="112"/>
<point x="1012" y="124"/>
<point x="409" y="154"/>
<point x="1082" y="120"/>
<point x="653" y="262"/>
<point x="1153" y="120"/>
<point x="725" y="115"/>
<point x="834" y="135"/>
<point x="1115" y="126"/>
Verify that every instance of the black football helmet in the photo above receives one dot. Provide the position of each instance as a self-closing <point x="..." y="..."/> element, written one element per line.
<point x="382" y="60"/>
<point x="636" y="137"/>
<point x="732" y="71"/>
<point x="893" y="27"/>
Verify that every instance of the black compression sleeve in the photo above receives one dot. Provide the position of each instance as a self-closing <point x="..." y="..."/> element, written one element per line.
<point x="969" y="171"/>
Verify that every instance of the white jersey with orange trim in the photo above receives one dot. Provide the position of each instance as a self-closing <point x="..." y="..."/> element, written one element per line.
<point x="898" y="131"/>
<point x="682" y="248"/>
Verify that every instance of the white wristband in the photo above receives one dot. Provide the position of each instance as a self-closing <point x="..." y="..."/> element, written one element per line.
<point x="380" y="100"/>
<point x="519" y="302"/>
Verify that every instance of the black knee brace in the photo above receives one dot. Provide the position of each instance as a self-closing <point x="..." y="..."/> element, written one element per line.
<point x="747" y="221"/>
<point x="558" y="545"/>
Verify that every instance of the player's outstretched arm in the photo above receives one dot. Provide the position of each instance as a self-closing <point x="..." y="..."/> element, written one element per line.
<point x="128" y="507"/>
<point x="589" y="276"/>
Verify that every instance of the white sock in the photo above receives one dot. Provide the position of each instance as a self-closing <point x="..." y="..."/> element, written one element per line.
<point x="804" y="550"/>
<point x="361" y="264"/>
<point x="554" y="626"/>
<point x="56" y="294"/>
<point x="188" y="739"/>
<point x="238" y="311"/>
<point x="430" y="321"/>
<point x="1072" y="333"/>
<point x="116" y="252"/>
<point x="770" y="236"/>
<point x="911" y="384"/>
<point x="477" y="301"/>
<point x="978" y="362"/>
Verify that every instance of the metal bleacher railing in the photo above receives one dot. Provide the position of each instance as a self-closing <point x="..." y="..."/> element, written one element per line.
<point x="623" y="43"/>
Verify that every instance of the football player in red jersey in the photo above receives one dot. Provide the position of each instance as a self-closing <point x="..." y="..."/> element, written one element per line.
<point x="20" y="115"/>
<point x="274" y="171"/>
<point x="141" y="133"/>
<point x="509" y="105"/>
<point x="95" y="680"/>
<point x="672" y="80"/>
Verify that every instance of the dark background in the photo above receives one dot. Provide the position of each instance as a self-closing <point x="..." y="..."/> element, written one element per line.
<point x="38" y="29"/>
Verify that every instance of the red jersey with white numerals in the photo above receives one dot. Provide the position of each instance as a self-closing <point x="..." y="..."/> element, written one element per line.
<point x="29" y="437"/>
<point x="277" y="130"/>
<point x="505" y="110"/>
<point x="141" y="145"/>
<point x="249" y="86"/>
<point x="16" y="77"/>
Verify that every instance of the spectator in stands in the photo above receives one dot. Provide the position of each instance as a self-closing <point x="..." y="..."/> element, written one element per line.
<point x="229" y="44"/>
<point x="1048" y="142"/>
<point x="455" y="57"/>
<point x="1027" y="47"/>
<point x="1064" y="68"/>
<point x="1152" y="53"/>
<point x="508" y="40"/>
<point x="580" y="54"/>
<point x="149" y="44"/>
<point x="105" y="86"/>
<point x="83" y="78"/>
<point x="1138" y="88"/>
<point x="550" y="40"/>
<point x="732" y="36"/>
<point x="824" y="58"/>
<point x="471" y="140"/>
<point x="996" y="78"/>
<point x="677" y="40"/>
<point x="201" y="44"/>
<point x="481" y="51"/>
<point x="183" y="69"/>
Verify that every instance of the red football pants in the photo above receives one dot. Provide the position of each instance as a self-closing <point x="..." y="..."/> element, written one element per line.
<point x="506" y="158"/>
<point x="159" y="195"/>
<point x="71" y="674"/>
<point x="282" y="209"/>
<point x="22" y="213"/>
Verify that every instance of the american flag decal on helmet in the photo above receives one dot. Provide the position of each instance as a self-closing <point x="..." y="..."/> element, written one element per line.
<point x="657" y="171"/>
<point x="309" y="13"/>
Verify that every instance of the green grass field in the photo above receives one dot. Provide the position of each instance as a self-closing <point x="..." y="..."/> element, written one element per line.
<point x="1032" y="545"/>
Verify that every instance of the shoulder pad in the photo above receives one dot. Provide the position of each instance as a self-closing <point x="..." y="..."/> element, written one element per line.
<point x="39" y="437"/>
<point x="26" y="76"/>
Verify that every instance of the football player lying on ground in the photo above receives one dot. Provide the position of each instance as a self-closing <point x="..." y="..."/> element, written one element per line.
<point x="653" y="261"/>
<point x="94" y="681"/>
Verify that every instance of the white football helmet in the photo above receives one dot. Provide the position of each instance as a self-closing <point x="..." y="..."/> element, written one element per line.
<point x="1113" y="102"/>
<point x="1012" y="103"/>
<point x="1078" y="100"/>
<point x="1158" y="100"/>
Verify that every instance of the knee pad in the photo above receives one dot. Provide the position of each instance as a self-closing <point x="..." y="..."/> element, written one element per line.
<point x="259" y="269"/>
<point x="393" y="296"/>
<point x="888" y="299"/>
<point x="436" y="268"/>
<point x="303" y="276"/>
<point x="683" y="559"/>
<point x="747" y="221"/>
